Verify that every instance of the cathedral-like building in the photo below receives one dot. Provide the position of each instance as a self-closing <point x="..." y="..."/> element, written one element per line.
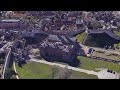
<point x="58" y="51"/>
<point x="101" y="38"/>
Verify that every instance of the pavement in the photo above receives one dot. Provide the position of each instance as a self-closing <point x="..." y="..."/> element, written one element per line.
<point x="107" y="75"/>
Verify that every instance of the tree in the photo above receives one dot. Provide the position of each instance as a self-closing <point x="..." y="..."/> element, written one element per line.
<point x="54" y="71"/>
<point x="65" y="73"/>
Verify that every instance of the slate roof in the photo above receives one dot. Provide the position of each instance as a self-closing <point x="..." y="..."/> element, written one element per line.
<point x="108" y="32"/>
<point x="32" y="34"/>
<point x="61" y="38"/>
<point x="69" y="33"/>
<point x="57" y="45"/>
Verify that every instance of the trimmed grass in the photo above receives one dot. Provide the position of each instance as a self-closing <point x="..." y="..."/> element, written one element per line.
<point x="81" y="37"/>
<point x="81" y="75"/>
<point x="92" y="64"/>
<point x="34" y="70"/>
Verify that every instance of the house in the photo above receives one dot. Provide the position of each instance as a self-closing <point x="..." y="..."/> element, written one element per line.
<point x="16" y="14"/>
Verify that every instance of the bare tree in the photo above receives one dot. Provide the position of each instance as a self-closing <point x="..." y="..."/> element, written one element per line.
<point x="65" y="73"/>
<point x="54" y="71"/>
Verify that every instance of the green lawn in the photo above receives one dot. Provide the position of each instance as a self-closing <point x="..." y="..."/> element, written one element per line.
<point x="81" y="37"/>
<point x="118" y="33"/>
<point x="33" y="70"/>
<point x="81" y="75"/>
<point x="91" y="64"/>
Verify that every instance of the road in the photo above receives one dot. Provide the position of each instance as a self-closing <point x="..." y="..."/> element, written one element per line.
<point x="15" y="70"/>
<point x="100" y="49"/>
<point x="63" y="66"/>
<point x="5" y="65"/>
<point x="109" y="51"/>
<point x="6" y="48"/>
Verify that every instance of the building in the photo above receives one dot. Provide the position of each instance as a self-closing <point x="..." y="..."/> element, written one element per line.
<point x="37" y="36"/>
<point x="101" y="38"/>
<point x="71" y="33"/>
<point x="34" y="37"/>
<point x="16" y="14"/>
<point x="12" y="24"/>
<point x="61" y="38"/>
<point x="57" y="51"/>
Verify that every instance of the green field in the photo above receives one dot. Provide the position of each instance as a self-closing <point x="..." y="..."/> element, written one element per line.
<point x="33" y="70"/>
<point x="81" y="37"/>
<point x="80" y="75"/>
<point x="92" y="64"/>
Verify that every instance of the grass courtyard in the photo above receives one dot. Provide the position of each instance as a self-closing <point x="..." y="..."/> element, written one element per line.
<point x="92" y="64"/>
<point x="33" y="70"/>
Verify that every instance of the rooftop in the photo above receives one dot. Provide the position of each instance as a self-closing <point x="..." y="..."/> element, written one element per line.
<point x="10" y="20"/>
<point x="63" y="39"/>
<point x="108" y="32"/>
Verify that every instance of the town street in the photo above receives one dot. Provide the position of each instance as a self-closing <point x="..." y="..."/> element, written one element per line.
<point x="100" y="49"/>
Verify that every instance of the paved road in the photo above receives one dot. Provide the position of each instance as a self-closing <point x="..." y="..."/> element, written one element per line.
<point x="15" y="70"/>
<point x="63" y="66"/>
<point x="5" y="65"/>
<point x="100" y="49"/>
